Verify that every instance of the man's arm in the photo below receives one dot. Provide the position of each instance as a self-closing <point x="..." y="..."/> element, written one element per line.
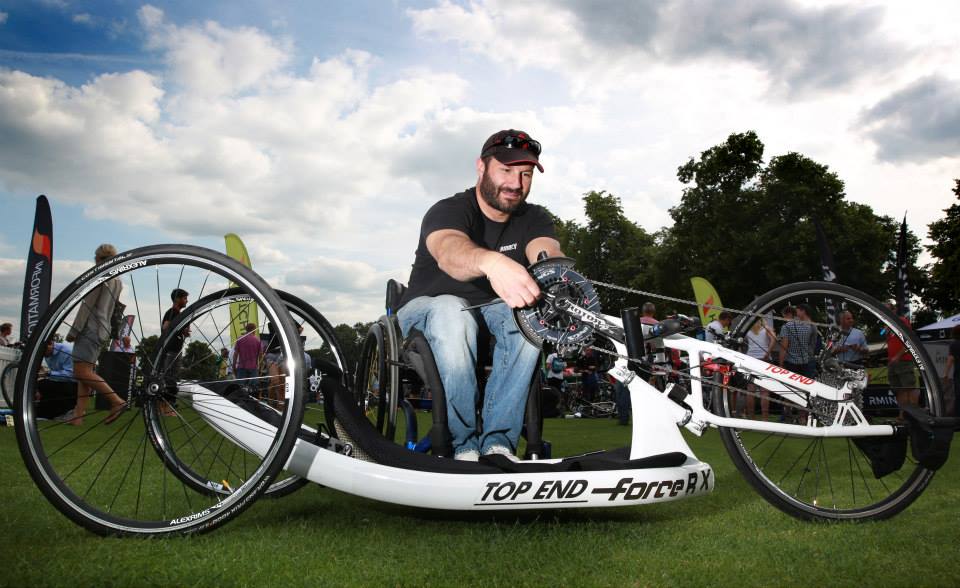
<point x="464" y="260"/>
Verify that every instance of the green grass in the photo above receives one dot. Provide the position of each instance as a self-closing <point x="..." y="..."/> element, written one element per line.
<point x="319" y="537"/>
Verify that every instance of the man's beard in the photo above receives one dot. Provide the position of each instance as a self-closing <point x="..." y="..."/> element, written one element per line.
<point x="490" y="192"/>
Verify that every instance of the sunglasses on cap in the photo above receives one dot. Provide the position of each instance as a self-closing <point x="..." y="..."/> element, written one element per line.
<point x="517" y="142"/>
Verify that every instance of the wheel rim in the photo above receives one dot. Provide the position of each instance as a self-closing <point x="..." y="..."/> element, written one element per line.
<point x="107" y="477"/>
<point x="832" y="477"/>
<point x="185" y="448"/>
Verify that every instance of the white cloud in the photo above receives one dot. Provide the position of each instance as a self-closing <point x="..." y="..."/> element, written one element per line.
<point x="336" y="162"/>
<point x="3" y="17"/>
<point x="82" y="18"/>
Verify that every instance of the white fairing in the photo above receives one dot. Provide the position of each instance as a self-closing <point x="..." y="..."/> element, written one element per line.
<point x="478" y="491"/>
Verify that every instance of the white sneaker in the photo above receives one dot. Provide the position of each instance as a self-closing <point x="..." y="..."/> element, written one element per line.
<point x="468" y="455"/>
<point x="501" y="450"/>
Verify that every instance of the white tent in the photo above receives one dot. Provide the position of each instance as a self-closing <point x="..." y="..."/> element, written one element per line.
<point x="939" y="330"/>
<point x="936" y="340"/>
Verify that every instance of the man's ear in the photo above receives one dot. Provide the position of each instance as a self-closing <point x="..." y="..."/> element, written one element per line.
<point x="481" y="167"/>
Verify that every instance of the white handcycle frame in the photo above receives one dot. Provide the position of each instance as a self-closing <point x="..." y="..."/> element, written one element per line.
<point x="656" y="430"/>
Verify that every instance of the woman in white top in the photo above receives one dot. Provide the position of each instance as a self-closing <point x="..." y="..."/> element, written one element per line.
<point x="760" y="343"/>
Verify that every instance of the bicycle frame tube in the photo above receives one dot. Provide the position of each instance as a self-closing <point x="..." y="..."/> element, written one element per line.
<point x="650" y="413"/>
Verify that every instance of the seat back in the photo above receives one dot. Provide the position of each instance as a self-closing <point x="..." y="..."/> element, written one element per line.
<point x="395" y="292"/>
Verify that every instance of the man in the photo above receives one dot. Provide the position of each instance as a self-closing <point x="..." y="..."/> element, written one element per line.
<point x="853" y="345"/>
<point x="174" y="349"/>
<point x="798" y="339"/>
<point x="58" y="391"/>
<point x="246" y="354"/>
<point x="718" y="327"/>
<point x="900" y="367"/>
<point x="6" y="334"/>
<point x="474" y="247"/>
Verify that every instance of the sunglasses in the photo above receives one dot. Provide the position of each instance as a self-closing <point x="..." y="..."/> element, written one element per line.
<point x="517" y="142"/>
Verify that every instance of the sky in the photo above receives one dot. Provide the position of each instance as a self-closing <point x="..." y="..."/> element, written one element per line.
<point x="320" y="132"/>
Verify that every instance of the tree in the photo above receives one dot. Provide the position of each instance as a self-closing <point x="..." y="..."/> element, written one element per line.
<point x="748" y="228"/>
<point x="351" y="341"/>
<point x="609" y="248"/>
<point x="199" y="362"/>
<point x="943" y="291"/>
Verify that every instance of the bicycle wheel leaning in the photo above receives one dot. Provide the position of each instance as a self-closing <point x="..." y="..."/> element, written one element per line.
<point x="833" y="478"/>
<point x="188" y="451"/>
<point x="101" y="473"/>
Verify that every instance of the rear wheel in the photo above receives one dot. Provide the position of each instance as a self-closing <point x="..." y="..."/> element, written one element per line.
<point x="374" y="388"/>
<point x="832" y="478"/>
<point x="187" y="451"/>
<point x="101" y="473"/>
<point x="7" y="382"/>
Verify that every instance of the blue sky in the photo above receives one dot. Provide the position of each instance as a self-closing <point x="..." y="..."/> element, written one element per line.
<point x="321" y="131"/>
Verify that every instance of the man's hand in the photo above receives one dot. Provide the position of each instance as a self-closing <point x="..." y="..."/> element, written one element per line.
<point x="510" y="280"/>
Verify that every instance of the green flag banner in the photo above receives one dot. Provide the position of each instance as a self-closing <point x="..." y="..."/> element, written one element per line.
<point x="708" y="301"/>
<point x="241" y="313"/>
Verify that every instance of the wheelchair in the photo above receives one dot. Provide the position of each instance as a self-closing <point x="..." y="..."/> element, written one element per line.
<point x="391" y="367"/>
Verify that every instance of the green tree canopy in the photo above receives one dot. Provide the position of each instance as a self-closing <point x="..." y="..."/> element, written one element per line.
<point x="608" y="248"/>
<point x="943" y="291"/>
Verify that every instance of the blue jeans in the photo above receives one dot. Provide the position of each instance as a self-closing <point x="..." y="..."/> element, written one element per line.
<point x="452" y="334"/>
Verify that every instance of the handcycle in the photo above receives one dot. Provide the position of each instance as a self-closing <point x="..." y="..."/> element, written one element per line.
<point x="150" y="475"/>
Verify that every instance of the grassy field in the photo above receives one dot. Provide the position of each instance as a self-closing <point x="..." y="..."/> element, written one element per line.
<point x="319" y="537"/>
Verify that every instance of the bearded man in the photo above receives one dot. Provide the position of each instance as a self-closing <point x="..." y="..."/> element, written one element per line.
<point x="474" y="248"/>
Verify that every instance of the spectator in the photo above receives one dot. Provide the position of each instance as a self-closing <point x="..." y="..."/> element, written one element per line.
<point x="57" y="392"/>
<point x="716" y="329"/>
<point x="6" y="334"/>
<point x="798" y="340"/>
<point x="901" y="376"/>
<point x="761" y="341"/>
<point x="246" y="354"/>
<point x="91" y="327"/>
<point x="174" y="349"/>
<point x="224" y="370"/>
<point x="555" y="366"/>
<point x="589" y="380"/>
<point x="853" y="345"/>
<point x="951" y="376"/>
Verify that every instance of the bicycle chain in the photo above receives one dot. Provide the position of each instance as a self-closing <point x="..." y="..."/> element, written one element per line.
<point x="695" y="303"/>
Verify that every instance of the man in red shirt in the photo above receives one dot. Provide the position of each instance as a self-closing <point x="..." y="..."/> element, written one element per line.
<point x="900" y="373"/>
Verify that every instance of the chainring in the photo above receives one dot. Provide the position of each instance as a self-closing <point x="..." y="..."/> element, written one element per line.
<point x="545" y="321"/>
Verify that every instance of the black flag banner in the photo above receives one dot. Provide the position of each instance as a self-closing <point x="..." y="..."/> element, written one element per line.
<point x="826" y="264"/>
<point x="826" y="257"/>
<point x="39" y="274"/>
<point x="902" y="291"/>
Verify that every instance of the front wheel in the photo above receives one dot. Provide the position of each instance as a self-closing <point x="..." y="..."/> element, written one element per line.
<point x="96" y="465"/>
<point x="831" y="478"/>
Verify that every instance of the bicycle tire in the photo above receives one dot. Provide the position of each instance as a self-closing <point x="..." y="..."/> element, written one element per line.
<point x="183" y="466"/>
<point x="769" y="461"/>
<point x="372" y="382"/>
<point x="8" y="382"/>
<point x="88" y="474"/>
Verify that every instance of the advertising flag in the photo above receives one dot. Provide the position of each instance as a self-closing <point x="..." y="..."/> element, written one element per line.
<point x="903" y="259"/>
<point x="708" y="301"/>
<point x="39" y="274"/>
<point x="241" y="313"/>
<point x="826" y="264"/>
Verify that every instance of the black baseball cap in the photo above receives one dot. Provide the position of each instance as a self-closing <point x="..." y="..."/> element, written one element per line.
<point x="513" y="147"/>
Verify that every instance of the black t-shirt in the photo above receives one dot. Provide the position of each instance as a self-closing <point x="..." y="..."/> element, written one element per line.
<point x="176" y="342"/>
<point x="462" y="213"/>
